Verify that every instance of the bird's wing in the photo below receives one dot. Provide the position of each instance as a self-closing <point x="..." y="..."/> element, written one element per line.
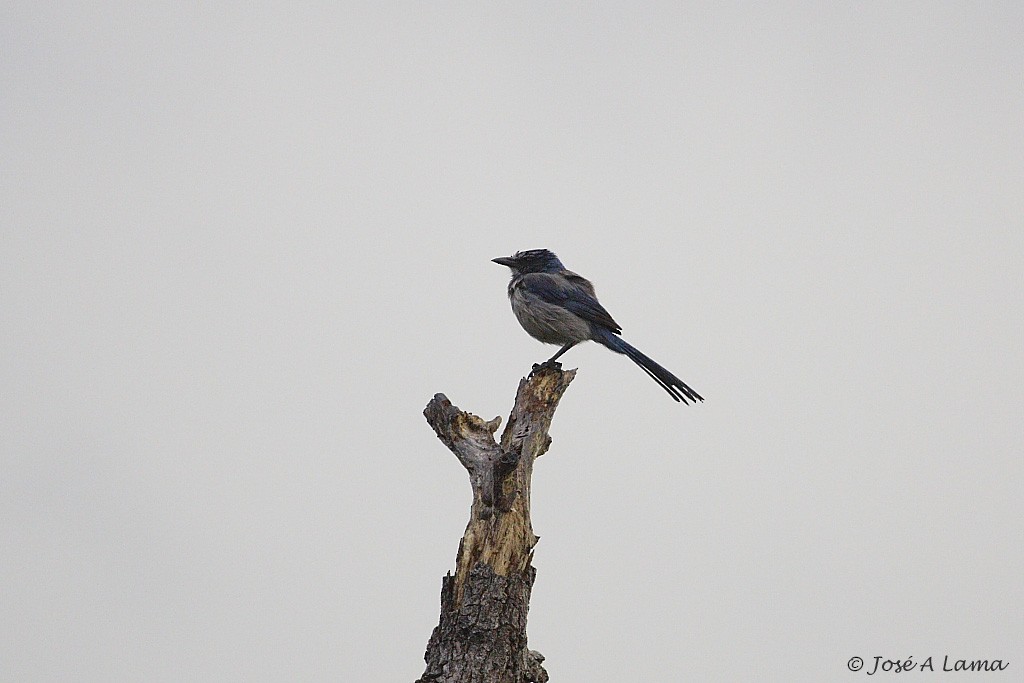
<point x="571" y="292"/>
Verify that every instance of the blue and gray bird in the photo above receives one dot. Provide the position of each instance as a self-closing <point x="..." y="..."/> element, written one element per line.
<point x="557" y="306"/>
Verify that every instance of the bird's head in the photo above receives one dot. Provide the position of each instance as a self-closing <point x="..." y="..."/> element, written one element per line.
<point x="531" y="261"/>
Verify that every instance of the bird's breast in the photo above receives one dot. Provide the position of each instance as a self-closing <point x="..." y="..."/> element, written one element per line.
<point x="545" y="321"/>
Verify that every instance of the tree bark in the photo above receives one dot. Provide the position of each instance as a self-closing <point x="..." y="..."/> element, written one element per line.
<point x="481" y="635"/>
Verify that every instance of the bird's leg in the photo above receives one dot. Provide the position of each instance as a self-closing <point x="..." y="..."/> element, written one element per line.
<point x="562" y="350"/>
<point x="551" y="362"/>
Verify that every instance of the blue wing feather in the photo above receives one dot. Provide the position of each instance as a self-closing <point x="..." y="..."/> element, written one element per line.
<point x="571" y="292"/>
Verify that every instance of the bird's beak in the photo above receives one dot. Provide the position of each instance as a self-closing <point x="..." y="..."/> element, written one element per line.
<point x="504" y="261"/>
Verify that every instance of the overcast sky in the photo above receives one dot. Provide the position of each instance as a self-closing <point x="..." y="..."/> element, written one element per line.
<point x="243" y="246"/>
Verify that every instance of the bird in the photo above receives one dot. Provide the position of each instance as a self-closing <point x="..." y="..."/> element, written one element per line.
<point x="556" y="306"/>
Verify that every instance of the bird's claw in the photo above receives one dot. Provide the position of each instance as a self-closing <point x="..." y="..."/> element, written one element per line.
<point x="546" y="365"/>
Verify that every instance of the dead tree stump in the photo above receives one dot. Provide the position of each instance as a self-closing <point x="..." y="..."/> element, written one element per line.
<point x="481" y="635"/>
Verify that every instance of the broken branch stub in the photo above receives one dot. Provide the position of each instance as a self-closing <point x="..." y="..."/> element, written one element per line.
<point x="484" y="606"/>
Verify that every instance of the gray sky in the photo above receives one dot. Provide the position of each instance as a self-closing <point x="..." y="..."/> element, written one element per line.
<point x="242" y="248"/>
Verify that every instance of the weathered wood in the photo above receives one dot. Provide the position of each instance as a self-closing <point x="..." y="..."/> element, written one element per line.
<point x="481" y="635"/>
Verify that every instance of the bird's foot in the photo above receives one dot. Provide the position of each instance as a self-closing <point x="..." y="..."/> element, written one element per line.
<point x="546" y="365"/>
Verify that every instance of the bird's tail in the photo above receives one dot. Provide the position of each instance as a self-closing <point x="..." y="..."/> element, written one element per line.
<point x="676" y="387"/>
